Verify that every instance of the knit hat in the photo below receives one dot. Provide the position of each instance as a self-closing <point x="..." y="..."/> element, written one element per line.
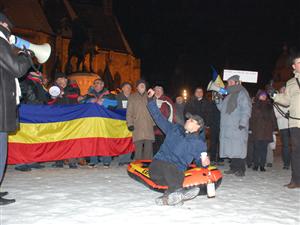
<point x="235" y="78"/>
<point x="59" y="75"/>
<point x="4" y="19"/>
<point x="262" y="93"/>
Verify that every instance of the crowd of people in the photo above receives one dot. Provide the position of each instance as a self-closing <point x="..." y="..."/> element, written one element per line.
<point x="171" y="134"/>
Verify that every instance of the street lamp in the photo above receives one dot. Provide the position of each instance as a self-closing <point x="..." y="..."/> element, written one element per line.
<point x="185" y="95"/>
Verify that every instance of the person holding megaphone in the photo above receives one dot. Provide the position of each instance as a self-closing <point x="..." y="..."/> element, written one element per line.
<point x="235" y="111"/>
<point x="12" y="67"/>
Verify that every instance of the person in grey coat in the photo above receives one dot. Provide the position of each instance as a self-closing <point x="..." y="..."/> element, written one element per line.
<point x="235" y="112"/>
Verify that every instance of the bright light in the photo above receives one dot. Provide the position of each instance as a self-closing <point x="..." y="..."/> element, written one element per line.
<point x="185" y="95"/>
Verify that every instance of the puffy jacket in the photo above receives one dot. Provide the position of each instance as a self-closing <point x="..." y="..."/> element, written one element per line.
<point x="11" y="66"/>
<point x="179" y="147"/>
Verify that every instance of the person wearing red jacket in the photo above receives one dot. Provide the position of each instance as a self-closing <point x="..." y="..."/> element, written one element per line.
<point x="167" y="108"/>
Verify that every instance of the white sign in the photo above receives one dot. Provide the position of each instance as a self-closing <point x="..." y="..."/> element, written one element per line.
<point x="245" y="76"/>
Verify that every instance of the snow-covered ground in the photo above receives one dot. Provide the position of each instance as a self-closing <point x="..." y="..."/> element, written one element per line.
<point x="110" y="196"/>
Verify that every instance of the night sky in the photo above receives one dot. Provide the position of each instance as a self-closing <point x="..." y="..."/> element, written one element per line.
<point x="177" y="41"/>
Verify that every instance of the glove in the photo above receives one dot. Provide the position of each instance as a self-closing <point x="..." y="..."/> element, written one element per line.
<point x="241" y="127"/>
<point x="27" y="52"/>
<point x="131" y="128"/>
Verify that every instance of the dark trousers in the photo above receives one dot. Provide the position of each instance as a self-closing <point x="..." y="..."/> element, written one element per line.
<point x="166" y="174"/>
<point x="238" y="164"/>
<point x="295" y="156"/>
<point x="3" y="153"/>
<point x="260" y="152"/>
<point x="250" y="150"/>
<point x="159" y="139"/>
<point x="214" y="145"/>
<point x="285" y="135"/>
<point x="143" y="149"/>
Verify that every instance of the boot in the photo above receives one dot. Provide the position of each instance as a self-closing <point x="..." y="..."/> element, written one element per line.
<point x="4" y="201"/>
<point x="255" y="168"/>
<point x="3" y="194"/>
<point x="262" y="169"/>
<point x="191" y="193"/>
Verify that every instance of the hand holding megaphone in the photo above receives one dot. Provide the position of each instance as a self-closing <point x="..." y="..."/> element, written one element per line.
<point x="41" y="52"/>
<point x="213" y="86"/>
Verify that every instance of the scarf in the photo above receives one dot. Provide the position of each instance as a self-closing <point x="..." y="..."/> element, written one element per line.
<point x="233" y="92"/>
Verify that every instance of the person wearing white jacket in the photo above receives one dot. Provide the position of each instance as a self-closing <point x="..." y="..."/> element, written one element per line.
<point x="291" y="98"/>
<point x="283" y="126"/>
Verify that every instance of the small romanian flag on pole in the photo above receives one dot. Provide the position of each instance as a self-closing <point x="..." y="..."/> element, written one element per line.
<point x="217" y="78"/>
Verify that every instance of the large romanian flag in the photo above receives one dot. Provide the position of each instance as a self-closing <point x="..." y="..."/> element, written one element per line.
<point x="49" y="133"/>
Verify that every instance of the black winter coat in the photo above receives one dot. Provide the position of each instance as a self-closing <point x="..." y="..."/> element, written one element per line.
<point x="11" y="66"/>
<point x="199" y="107"/>
<point x="33" y="92"/>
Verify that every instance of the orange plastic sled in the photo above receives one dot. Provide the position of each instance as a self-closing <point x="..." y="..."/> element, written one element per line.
<point x="194" y="176"/>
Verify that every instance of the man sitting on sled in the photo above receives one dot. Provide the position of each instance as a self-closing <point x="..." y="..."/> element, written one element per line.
<point x="182" y="145"/>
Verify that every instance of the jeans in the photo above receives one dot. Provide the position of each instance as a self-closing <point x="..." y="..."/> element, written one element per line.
<point x="3" y="153"/>
<point x="285" y="135"/>
<point x="105" y="159"/>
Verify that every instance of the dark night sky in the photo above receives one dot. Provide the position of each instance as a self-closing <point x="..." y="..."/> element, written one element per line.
<point x="178" y="40"/>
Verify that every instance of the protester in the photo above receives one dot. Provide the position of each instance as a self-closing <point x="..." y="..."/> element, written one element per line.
<point x="167" y="108"/>
<point x="122" y="99"/>
<point x="235" y="113"/>
<point x="179" y="108"/>
<point x="140" y="122"/>
<point x="34" y="93"/>
<point x="198" y="105"/>
<point x="69" y="94"/>
<point x="12" y="66"/>
<point x="98" y="94"/>
<point x="262" y="125"/>
<point x="214" y="137"/>
<point x="291" y="98"/>
<point x="180" y="147"/>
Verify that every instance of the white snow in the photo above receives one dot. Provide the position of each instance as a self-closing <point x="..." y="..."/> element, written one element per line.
<point x="110" y="196"/>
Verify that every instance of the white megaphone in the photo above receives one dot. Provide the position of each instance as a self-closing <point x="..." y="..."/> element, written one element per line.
<point x="41" y="52"/>
<point x="54" y="91"/>
<point x="213" y="87"/>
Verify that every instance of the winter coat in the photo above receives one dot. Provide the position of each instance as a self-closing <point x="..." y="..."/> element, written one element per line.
<point x="233" y="141"/>
<point x="178" y="147"/>
<point x="199" y="107"/>
<point x="11" y="66"/>
<point x="263" y="121"/>
<point x="291" y="99"/>
<point x="139" y="117"/>
<point x="167" y="110"/>
<point x="282" y="122"/>
<point x="33" y="92"/>
<point x="71" y="93"/>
